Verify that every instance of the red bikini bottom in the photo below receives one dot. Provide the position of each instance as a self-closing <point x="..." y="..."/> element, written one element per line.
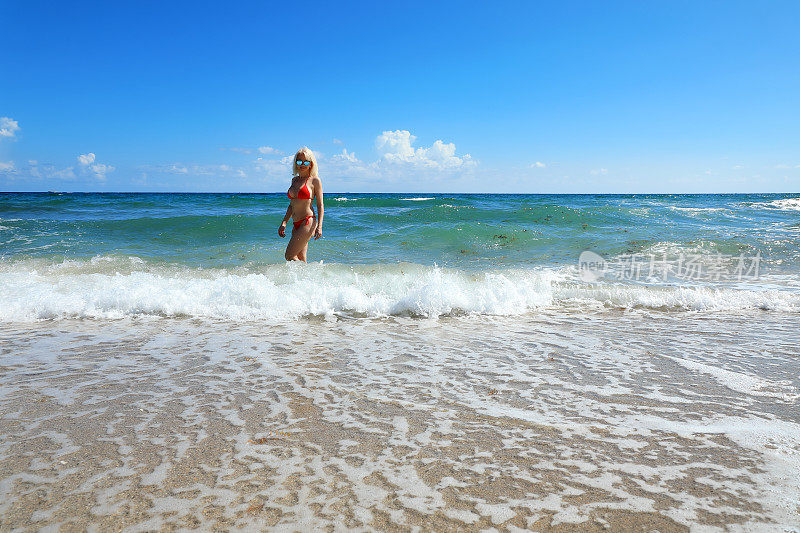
<point x="301" y="222"/>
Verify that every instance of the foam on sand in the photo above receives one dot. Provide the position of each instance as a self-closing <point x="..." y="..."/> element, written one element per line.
<point x="471" y="421"/>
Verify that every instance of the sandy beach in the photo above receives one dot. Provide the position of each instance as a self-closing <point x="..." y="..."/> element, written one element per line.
<point x="612" y="420"/>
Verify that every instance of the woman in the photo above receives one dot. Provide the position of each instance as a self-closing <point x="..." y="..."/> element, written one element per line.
<point x="305" y="186"/>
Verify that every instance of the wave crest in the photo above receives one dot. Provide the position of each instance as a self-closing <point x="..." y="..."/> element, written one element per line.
<point x="783" y="204"/>
<point x="115" y="287"/>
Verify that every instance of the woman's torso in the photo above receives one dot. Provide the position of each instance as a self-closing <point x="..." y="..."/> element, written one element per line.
<point x="301" y="198"/>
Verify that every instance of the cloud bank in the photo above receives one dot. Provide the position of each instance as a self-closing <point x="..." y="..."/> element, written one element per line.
<point x="398" y="159"/>
<point x="396" y="147"/>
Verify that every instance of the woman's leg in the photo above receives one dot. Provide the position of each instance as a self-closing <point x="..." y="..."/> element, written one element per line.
<point x="298" y="244"/>
<point x="303" y="255"/>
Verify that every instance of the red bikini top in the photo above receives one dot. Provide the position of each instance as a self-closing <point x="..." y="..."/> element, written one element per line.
<point x="302" y="194"/>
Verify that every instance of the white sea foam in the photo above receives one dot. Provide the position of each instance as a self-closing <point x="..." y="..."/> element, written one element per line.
<point x="693" y="210"/>
<point x="419" y="199"/>
<point x="784" y="204"/>
<point x="744" y="383"/>
<point x="569" y="434"/>
<point x="107" y="287"/>
<point x="698" y="248"/>
<point x="3" y="228"/>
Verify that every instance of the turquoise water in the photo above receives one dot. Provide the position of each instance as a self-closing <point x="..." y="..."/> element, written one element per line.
<point x="381" y="253"/>
<point x="224" y="230"/>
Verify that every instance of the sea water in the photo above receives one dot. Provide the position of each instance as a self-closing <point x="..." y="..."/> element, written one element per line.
<point x="219" y="255"/>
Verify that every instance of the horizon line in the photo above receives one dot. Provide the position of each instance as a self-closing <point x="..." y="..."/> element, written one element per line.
<point x="397" y="192"/>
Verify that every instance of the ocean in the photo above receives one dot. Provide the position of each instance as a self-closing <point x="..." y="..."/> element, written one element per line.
<point x="218" y="255"/>
<point x="445" y="361"/>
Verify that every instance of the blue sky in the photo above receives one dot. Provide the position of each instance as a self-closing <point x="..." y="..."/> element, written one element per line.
<point x="574" y="97"/>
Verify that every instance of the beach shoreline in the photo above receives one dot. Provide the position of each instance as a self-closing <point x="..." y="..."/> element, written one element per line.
<point x="542" y="421"/>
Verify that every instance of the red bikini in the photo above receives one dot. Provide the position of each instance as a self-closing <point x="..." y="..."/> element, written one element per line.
<point x="301" y="222"/>
<point x="302" y="194"/>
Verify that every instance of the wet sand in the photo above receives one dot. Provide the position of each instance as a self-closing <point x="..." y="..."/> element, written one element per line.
<point x="611" y="421"/>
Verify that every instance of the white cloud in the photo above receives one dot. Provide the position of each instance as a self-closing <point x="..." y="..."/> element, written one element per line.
<point x="348" y="165"/>
<point x="193" y="170"/>
<point x="338" y="141"/>
<point x="101" y="169"/>
<point x="36" y="171"/>
<point x="88" y="163"/>
<point x="345" y="156"/>
<point x="538" y="164"/>
<point x="63" y="174"/>
<point x="399" y="160"/>
<point x="396" y="144"/>
<point x="273" y="168"/>
<point x="596" y="171"/>
<point x="8" y="127"/>
<point x="86" y="159"/>
<point x="260" y="150"/>
<point x="177" y="169"/>
<point x="395" y="147"/>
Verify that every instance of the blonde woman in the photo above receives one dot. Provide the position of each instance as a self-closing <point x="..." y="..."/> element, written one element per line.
<point x="306" y="185"/>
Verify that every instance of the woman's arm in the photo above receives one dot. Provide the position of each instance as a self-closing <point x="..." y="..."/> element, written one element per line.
<point x="286" y="217"/>
<point x="320" y="208"/>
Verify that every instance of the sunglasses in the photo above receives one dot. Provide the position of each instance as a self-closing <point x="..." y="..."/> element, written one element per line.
<point x="306" y="163"/>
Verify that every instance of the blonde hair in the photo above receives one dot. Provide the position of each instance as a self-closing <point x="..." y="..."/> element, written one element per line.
<point x="309" y="155"/>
